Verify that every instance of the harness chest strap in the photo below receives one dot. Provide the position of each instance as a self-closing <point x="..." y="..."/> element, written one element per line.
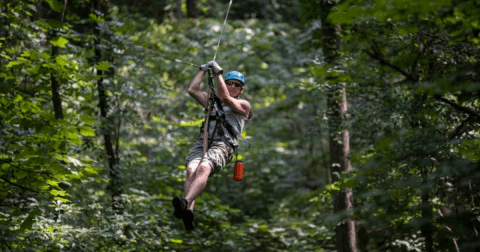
<point x="227" y="125"/>
<point x="221" y="123"/>
<point x="205" y="130"/>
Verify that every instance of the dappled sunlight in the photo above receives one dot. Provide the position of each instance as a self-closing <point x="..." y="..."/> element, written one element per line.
<point x="96" y="123"/>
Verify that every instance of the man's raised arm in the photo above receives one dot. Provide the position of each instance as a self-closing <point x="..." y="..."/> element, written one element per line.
<point x="240" y="106"/>
<point x="195" y="89"/>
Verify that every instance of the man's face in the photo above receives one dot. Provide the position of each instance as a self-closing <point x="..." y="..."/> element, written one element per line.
<point x="234" y="87"/>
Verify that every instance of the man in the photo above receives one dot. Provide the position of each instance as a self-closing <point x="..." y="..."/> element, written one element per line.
<point x="222" y="136"/>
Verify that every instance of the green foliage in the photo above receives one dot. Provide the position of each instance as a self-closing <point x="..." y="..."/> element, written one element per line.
<point x="413" y="121"/>
<point x="409" y="97"/>
<point x="382" y="11"/>
<point x="55" y="5"/>
<point x="66" y="205"/>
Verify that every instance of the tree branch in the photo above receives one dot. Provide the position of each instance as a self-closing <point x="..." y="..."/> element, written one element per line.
<point x="458" y="107"/>
<point x="459" y="129"/>
<point x="24" y="91"/>
<point x="384" y="62"/>
<point x="415" y="62"/>
<point x="37" y="172"/>
<point x="15" y="203"/>
<point x="449" y="229"/>
<point x="6" y="244"/>
<point x="11" y="183"/>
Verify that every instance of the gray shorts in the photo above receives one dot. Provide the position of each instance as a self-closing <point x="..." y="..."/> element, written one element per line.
<point x="218" y="156"/>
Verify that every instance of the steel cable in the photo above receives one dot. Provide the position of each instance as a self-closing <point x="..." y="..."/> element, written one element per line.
<point x="226" y="16"/>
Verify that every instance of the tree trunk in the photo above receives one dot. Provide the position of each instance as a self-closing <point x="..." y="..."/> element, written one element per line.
<point x="159" y="10"/>
<point x="427" y="214"/>
<point x="192" y="10"/>
<point x="56" y="99"/>
<point x="178" y="10"/>
<point x="339" y="162"/>
<point x="55" y="85"/>
<point x="338" y="134"/>
<point x="107" y="125"/>
<point x="154" y="9"/>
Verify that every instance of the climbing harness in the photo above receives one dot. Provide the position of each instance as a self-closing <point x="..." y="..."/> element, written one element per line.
<point x="221" y="124"/>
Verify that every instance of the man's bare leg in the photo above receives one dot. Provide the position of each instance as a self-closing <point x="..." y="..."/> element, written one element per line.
<point x="191" y="169"/>
<point x="201" y="174"/>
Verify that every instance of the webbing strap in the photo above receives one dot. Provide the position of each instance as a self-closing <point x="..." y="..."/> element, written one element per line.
<point x="220" y="119"/>
<point x="207" y="112"/>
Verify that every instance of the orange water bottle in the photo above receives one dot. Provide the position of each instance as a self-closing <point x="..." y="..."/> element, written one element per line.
<point x="238" y="171"/>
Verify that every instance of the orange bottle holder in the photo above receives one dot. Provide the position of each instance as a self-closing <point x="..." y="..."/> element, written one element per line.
<point x="238" y="171"/>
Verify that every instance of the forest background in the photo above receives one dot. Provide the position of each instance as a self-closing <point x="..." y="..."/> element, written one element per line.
<point x="365" y="134"/>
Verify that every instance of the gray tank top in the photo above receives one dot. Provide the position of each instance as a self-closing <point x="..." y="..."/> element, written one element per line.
<point x="232" y="117"/>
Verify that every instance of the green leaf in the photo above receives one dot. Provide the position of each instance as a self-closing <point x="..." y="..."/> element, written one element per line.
<point x="54" y="192"/>
<point x="103" y="66"/>
<point x="25" y="106"/>
<point x="61" y="60"/>
<point x="96" y="19"/>
<point x="28" y="222"/>
<point x="74" y="161"/>
<point x="87" y="131"/>
<point x="74" y="138"/>
<point x="52" y="182"/>
<point x="333" y="187"/>
<point x="62" y="146"/>
<point x="34" y="55"/>
<point x="44" y="56"/>
<point x="4" y="55"/>
<point x="32" y="7"/>
<point x="61" y="199"/>
<point x="50" y="24"/>
<point x="55" y="5"/>
<point x="13" y="64"/>
<point x="32" y="70"/>
<point x="57" y="24"/>
<point x="26" y="54"/>
<point x="91" y="171"/>
<point x="59" y="41"/>
<point x="87" y="119"/>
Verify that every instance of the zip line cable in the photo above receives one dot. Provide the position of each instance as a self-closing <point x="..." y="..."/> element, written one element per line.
<point x="226" y="16"/>
<point x="184" y="62"/>
<point x="165" y="58"/>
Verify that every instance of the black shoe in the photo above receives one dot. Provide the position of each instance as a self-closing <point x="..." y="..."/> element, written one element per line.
<point x="180" y="204"/>
<point x="188" y="219"/>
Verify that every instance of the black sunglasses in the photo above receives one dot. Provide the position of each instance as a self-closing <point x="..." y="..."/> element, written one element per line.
<point x="233" y="83"/>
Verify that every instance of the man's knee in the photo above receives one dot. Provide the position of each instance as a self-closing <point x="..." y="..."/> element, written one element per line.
<point x="191" y="168"/>
<point x="204" y="169"/>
